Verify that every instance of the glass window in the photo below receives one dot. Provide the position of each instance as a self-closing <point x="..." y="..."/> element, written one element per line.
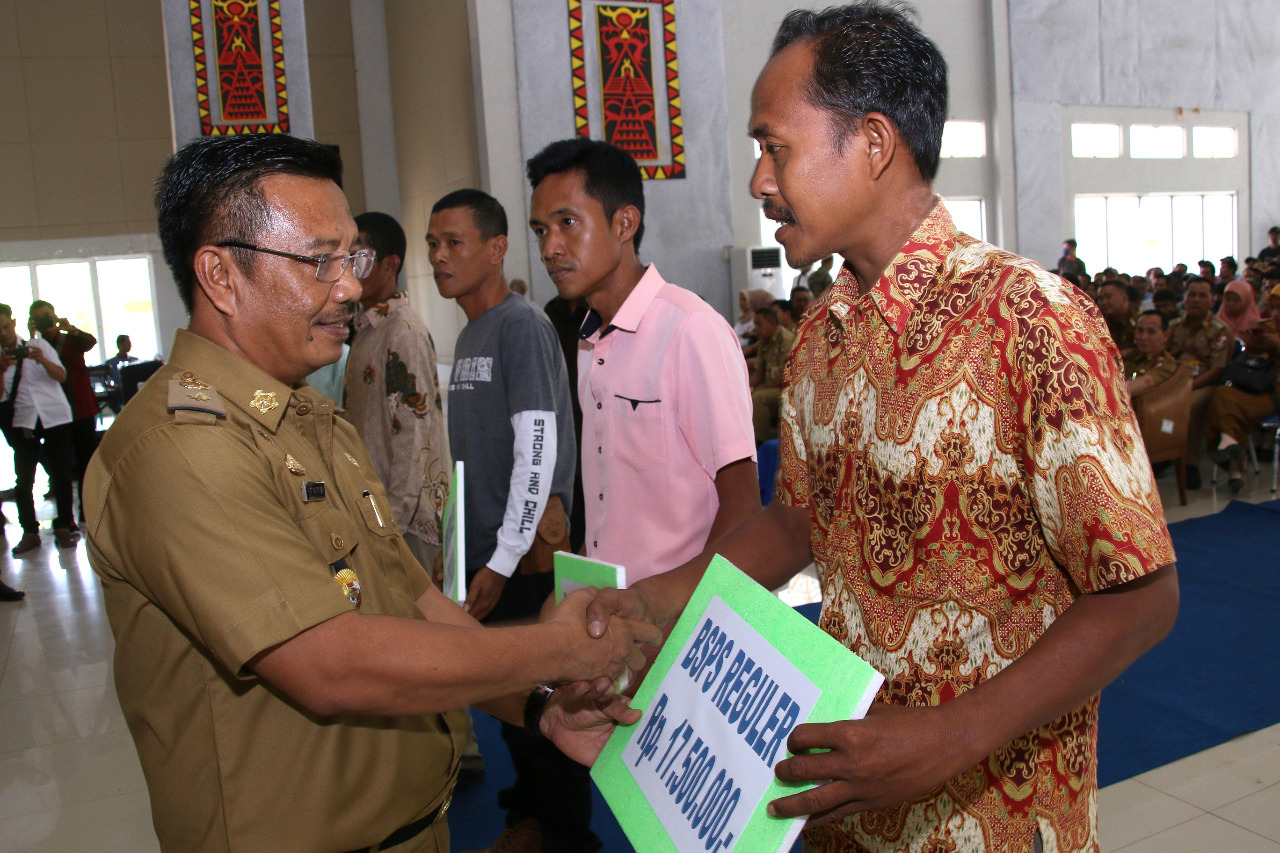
<point x="964" y="139"/>
<point x="124" y="291"/>
<point x="69" y="288"/>
<point x="1214" y="142"/>
<point x="1157" y="142"/>
<point x="15" y="291"/>
<point x="1134" y="233"/>
<point x="1095" y="140"/>
<point x="970" y="216"/>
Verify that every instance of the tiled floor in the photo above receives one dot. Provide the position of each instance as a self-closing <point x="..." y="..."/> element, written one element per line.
<point x="70" y="780"/>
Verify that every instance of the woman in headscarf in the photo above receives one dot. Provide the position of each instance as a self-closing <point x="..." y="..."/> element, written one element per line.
<point x="750" y="301"/>
<point x="1239" y="310"/>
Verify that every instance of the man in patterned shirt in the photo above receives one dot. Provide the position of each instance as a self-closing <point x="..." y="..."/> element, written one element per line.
<point x="392" y="393"/>
<point x="960" y="460"/>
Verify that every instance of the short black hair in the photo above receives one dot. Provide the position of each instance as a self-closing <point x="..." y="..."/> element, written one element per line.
<point x="1070" y="241"/>
<point x="490" y="217"/>
<point x="1198" y="279"/>
<point x="120" y="338"/>
<point x="872" y="57"/>
<point x="210" y="191"/>
<point x="1164" y="295"/>
<point x="609" y="174"/>
<point x="1229" y="259"/>
<point x="1164" y="321"/>
<point x="384" y="235"/>
<point x="6" y="310"/>
<point x="40" y="303"/>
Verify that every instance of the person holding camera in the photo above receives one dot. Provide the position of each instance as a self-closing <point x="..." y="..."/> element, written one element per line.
<point x="34" y="412"/>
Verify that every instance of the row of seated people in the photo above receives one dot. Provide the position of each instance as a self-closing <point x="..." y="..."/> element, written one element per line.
<point x="1217" y="323"/>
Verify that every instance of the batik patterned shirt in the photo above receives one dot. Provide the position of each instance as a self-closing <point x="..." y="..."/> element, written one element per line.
<point x="963" y="441"/>
<point x="393" y="400"/>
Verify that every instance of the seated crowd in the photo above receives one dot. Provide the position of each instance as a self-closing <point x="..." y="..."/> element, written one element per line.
<point x="1222" y="323"/>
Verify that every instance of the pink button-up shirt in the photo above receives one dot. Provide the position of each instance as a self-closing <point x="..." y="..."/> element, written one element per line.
<point x="665" y="405"/>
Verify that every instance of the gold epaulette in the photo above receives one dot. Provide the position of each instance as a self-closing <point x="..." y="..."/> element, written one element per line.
<point x="193" y="401"/>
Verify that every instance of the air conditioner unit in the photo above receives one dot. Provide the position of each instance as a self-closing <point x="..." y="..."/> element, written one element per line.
<point x="759" y="267"/>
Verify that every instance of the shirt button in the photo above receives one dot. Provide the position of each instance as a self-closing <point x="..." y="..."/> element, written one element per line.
<point x="599" y="405"/>
<point x="599" y="361"/>
<point x="303" y="408"/>
<point x="595" y="544"/>
<point x="599" y="450"/>
<point x="337" y="542"/>
<point x="602" y="496"/>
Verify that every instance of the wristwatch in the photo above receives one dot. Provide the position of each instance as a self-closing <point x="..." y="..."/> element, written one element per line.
<point x="535" y="705"/>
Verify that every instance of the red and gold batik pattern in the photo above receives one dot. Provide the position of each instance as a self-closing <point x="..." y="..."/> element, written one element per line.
<point x="962" y="438"/>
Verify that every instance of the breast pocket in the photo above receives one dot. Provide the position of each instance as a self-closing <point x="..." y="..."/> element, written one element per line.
<point x="639" y="430"/>
<point x="333" y="534"/>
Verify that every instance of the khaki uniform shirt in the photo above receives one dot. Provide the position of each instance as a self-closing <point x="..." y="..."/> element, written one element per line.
<point x="772" y="354"/>
<point x="208" y="555"/>
<point x="1159" y="366"/>
<point x="1204" y="347"/>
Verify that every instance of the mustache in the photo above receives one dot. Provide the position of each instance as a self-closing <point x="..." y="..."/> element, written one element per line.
<point x="778" y="213"/>
<point x="342" y="315"/>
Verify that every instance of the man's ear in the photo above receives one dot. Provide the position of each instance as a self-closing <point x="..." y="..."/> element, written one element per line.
<point x="882" y="142"/>
<point x="626" y="221"/>
<point x="391" y="265"/>
<point x="497" y="249"/>
<point x="218" y="277"/>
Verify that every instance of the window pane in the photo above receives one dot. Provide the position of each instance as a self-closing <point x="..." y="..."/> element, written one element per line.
<point x="1219" y="227"/>
<point x="1124" y="233"/>
<point x="69" y="289"/>
<point x="1155" y="245"/>
<point x="124" y="291"/>
<point x="1157" y="142"/>
<point x="1188" y="230"/>
<point x="1091" y="232"/>
<point x="1214" y="142"/>
<point x="964" y="139"/>
<point x="15" y="291"/>
<point x="1095" y="140"/>
<point x="968" y="215"/>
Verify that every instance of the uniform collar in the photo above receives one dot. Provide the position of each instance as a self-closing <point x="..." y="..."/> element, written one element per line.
<point x="909" y="275"/>
<point x="633" y="307"/>
<point x="240" y="384"/>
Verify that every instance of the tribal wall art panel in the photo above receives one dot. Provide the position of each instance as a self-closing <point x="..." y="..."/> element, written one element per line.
<point x="238" y="47"/>
<point x="626" y="81"/>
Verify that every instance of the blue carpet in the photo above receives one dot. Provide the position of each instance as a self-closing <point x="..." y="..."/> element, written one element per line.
<point x="1205" y="684"/>
<point x="1208" y="681"/>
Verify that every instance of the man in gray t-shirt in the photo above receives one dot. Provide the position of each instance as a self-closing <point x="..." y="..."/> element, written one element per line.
<point x="511" y="424"/>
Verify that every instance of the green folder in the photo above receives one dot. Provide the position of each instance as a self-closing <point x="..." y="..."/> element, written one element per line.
<point x="454" y="539"/>
<point x="574" y="572"/>
<point x="739" y="671"/>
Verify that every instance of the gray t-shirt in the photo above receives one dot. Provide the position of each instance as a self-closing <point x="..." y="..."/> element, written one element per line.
<point x="506" y="361"/>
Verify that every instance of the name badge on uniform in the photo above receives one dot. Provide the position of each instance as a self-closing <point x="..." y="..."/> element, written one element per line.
<point x="312" y="490"/>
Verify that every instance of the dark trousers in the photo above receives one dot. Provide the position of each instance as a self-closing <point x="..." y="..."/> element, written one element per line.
<point x="59" y="454"/>
<point x="550" y="787"/>
<point x="84" y="440"/>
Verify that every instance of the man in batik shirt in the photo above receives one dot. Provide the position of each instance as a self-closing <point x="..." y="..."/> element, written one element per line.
<point x="393" y="395"/>
<point x="960" y="460"/>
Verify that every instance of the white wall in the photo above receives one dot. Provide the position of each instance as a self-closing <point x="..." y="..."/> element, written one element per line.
<point x="1188" y="54"/>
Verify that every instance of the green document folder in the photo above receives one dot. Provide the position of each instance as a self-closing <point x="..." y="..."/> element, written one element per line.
<point x="454" y="539"/>
<point x="574" y="572"/>
<point x="740" y="670"/>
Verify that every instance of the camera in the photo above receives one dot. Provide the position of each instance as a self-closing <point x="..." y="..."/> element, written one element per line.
<point x="44" y="322"/>
<point x="17" y="352"/>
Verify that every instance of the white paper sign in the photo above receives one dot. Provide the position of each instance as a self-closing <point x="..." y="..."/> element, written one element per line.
<point x="710" y="740"/>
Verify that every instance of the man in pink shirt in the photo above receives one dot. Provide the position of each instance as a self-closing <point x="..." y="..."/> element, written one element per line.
<point x="668" y="452"/>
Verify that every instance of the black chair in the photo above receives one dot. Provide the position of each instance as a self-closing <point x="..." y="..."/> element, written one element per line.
<point x="133" y="375"/>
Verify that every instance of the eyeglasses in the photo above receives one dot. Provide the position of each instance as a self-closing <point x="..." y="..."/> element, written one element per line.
<point x="329" y="267"/>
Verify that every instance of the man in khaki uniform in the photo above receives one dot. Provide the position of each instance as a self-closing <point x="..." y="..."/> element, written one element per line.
<point x="284" y="664"/>
<point x="766" y="377"/>
<point x="1203" y="341"/>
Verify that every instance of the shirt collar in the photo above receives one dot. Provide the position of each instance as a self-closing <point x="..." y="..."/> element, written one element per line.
<point x="375" y="315"/>
<point x="239" y="382"/>
<point x="909" y="275"/>
<point x="632" y="310"/>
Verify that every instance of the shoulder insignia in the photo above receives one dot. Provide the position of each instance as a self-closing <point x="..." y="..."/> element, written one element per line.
<point x="185" y="396"/>
<point x="187" y="379"/>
